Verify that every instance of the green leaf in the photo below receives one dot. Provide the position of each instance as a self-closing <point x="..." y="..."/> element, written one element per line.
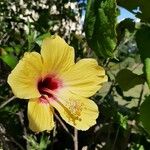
<point x="44" y="141"/>
<point x="30" y="36"/>
<point x="127" y="79"/>
<point x="144" y="13"/>
<point x="100" y="27"/>
<point x="9" y="49"/>
<point x="123" y="120"/>
<point x="143" y="43"/>
<point x="34" y="144"/>
<point x="128" y="24"/>
<point x="8" y="58"/>
<point x="144" y="114"/>
<point x="17" y="49"/>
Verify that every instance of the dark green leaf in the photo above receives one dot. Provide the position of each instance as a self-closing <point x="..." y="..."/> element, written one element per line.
<point x="127" y="79"/>
<point x="144" y="14"/>
<point x="128" y="4"/>
<point x="143" y="43"/>
<point x="142" y="7"/>
<point x="128" y="24"/>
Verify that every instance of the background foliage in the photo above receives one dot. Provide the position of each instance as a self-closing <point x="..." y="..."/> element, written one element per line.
<point x="122" y="48"/>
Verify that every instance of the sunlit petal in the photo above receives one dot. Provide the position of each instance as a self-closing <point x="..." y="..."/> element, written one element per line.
<point x="40" y="116"/>
<point x="85" y="78"/>
<point x="57" y="55"/>
<point x="23" y="79"/>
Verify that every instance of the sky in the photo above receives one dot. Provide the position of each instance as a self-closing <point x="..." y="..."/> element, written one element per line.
<point x="126" y="14"/>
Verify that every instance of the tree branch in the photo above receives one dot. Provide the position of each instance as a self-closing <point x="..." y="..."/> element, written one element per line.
<point x="6" y="102"/>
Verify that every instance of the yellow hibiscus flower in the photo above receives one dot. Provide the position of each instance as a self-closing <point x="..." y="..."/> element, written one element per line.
<point x="52" y="80"/>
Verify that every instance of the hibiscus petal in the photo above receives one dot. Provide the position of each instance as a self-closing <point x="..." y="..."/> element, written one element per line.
<point x="23" y="79"/>
<point x="40" y="116"/>
<point x="85" y="78"/>
<point x="57" y="55"/>
<point x="77" y="111"/>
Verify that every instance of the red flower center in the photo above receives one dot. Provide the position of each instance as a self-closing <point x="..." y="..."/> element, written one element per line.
<point x="47" y="87"/>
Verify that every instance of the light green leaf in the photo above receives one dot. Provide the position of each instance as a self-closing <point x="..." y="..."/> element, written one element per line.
<point x="8" y="58"/>
<point x="44" y="141"/>
<point x="145" y="114"/>
<point x="147" y="70"/>
<point x="123" y="120"/>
